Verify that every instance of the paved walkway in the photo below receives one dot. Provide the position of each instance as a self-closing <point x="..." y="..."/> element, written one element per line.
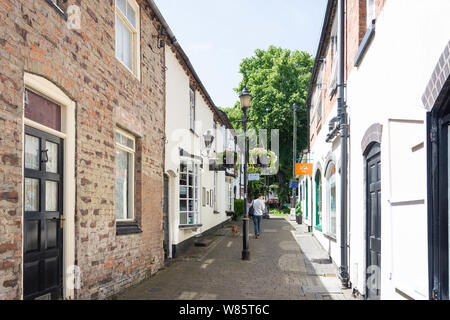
<point x="286" y="263"/>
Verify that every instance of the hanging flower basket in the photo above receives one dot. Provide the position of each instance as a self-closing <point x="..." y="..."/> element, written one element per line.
<point x="228" y="160"/>
<point x="262" y="158"/>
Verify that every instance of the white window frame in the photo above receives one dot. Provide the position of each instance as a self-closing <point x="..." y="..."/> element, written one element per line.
<point x="131" y="180"/>
<point x="328" y="178"/>
<point x="371" y="15"/>
<point x="334" y="45"/>
<point x="192" y="108"/>
<point x="135" y="31"/>
<point x="196" y="196"/>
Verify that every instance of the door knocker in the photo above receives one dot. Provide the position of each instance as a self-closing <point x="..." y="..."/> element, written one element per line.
<point x="44" y="156"/>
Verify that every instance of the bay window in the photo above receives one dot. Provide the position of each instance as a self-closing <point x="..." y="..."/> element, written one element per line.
<point x="189" y="193"/>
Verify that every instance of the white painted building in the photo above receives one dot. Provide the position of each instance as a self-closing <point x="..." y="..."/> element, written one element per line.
<point x="397" y="78"/>
<point x="197" y="199"/>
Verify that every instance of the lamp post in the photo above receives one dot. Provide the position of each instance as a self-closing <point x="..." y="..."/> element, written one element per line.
<point x="294" y="157"/>
<point x="246" y="99"/>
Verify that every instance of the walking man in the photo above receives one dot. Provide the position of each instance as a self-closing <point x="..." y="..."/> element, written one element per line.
<point x="259" y="207"/>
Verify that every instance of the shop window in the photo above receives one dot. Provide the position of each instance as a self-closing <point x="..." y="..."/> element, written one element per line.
<point x="189" y="193"/>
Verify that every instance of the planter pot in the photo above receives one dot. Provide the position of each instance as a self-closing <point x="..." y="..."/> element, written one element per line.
<point x="299" y="219"/>
<point x="232" y="157"/>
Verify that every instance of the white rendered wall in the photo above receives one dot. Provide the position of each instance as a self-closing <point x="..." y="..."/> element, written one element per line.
<point x="179" y="136"/>
<point x="387" y="89"/>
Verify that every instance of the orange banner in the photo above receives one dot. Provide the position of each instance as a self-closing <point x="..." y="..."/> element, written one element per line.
<point x="304" y="169"/>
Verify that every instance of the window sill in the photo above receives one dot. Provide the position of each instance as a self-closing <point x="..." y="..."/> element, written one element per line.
<point x="127" y="228"/>
<point x="193" y="226"/>
<point x="58" y="9"/>
<point x="365" y="43"/>
<point x="330" y="237"/>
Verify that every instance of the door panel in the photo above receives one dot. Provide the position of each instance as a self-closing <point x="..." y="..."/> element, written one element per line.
<point x="374" y="222"/>
<point x="42" y="215"/>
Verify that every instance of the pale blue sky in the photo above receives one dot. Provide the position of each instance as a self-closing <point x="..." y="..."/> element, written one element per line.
<point x="217" y="34"/>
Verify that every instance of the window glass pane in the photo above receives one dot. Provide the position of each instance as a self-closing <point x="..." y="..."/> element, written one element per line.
<point x="122" y="4"/>
<point x="183" y="192"/>
<point x="122" y="168"/>
<point x="127" y="47"/>
<point x="183" y="219"/>
<point x="124" y="141"/>
<point x="183" y="205"/>
<point x="191" y="219"/>
<point x="52" y="152"/>
<point x="131" y="15"/>
<point x="183" y="180"/>
<point x="31" y="195"/>
<point x="119" y="39"/>
<point x="31" y="152"/>
<point x="42" y="110"/>
<point x="51" y="196"/>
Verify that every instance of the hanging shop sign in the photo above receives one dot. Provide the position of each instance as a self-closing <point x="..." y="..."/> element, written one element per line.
<point x="304" y="169"/>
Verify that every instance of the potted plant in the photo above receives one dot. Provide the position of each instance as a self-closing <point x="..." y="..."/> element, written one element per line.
<point x="299" y="213"/>
<point x="262" y="158"/>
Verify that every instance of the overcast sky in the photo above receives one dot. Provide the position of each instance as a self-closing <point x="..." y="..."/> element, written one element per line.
<point x="217" y="34"/>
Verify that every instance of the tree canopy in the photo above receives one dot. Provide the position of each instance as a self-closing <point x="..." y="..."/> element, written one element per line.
<point x="277" y="79"/>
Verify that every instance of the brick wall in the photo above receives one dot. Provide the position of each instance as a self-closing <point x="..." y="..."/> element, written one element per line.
<point x="34" y="38"/>
<point x="355" y="29"/>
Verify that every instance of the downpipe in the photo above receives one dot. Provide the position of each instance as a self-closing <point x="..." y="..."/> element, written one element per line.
<point x="343" y="125"/>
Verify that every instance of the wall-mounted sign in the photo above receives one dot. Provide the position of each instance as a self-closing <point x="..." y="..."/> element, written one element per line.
<point x="304" y="169"/>
<point x="293" y="185"/>
<point x="253" y="177"/>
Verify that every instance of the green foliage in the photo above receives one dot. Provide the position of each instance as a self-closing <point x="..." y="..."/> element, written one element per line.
<point x="277" y="78"/>
<point x="238" y="208"/>
<point x="280" y="212"/>
<point x="298" y="209"/>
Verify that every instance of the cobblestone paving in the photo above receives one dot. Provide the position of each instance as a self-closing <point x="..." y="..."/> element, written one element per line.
<point x="278" y="270"/>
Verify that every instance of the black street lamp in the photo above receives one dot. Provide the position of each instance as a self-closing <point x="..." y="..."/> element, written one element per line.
<point x="246" y="99"/>
<point x="294" y="158"/>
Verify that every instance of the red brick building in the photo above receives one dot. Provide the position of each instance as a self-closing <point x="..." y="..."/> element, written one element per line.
<point x="82" y="116"/>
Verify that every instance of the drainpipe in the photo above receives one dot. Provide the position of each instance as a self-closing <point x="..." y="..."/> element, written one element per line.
<point x="343" y="124"/>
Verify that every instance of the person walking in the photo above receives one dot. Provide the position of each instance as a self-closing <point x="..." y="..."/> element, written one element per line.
<point x="259" y="207"/>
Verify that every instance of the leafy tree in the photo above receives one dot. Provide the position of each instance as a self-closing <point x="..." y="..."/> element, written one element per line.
<point x="277" y="78"/>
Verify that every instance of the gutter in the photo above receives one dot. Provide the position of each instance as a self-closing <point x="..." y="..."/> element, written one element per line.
<point x="185" y="58"/>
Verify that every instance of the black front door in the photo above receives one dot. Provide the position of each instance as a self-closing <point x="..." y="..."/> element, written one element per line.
<point x="373" y="223"/>
<point x="439" y="200"/>
<point x="43" y="194"/>
<point x="166" y="243"/>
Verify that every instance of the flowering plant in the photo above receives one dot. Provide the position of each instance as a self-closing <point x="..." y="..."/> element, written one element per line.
<point x="262" y="158"/>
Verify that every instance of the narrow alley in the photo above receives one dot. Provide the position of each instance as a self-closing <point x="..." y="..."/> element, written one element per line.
<point x="286" y="264"/>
